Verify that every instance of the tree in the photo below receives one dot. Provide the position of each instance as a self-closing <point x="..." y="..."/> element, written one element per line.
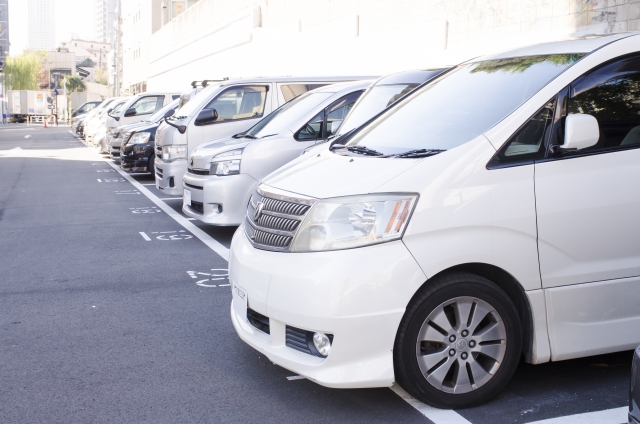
<point x="87" y="63"/>
<point x="22" y="72"/>
<point x="74" y="83"/>
<point x="102" y="76"/>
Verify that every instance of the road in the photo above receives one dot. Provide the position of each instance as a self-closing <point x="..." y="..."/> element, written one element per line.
<point x="113" y="310"/>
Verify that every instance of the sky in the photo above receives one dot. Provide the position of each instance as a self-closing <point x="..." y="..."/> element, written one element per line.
<point x="72" y="16"/>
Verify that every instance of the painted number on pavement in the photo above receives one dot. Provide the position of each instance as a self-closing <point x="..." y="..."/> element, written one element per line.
<point x="207" y="279"/>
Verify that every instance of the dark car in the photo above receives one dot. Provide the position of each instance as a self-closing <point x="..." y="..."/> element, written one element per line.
<point x="137" y="151"/>
<point x="634" y="390"/>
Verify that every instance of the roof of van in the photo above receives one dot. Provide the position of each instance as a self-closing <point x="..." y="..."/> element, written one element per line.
<point x="299" y="80"/>
<point x="334" y="88"/>
<point x="584" y="44"/>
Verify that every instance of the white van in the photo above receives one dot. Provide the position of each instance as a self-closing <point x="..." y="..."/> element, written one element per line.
<point x="223" y="173"/>
<point x="136" y="109"/>
<point x="220" y="110"/>
<point x="490" y="215"/>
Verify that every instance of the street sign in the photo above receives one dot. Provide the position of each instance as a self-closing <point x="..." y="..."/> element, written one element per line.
<point x="51" y="107"/>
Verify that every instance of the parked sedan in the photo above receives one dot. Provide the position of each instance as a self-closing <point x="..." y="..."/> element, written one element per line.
<point x="634" y="390"/>
<point x="122" y="133"/>
<point x="136" y="152"/>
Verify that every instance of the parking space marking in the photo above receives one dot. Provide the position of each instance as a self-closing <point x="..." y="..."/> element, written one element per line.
<point x="126" y="192"/>
<point x="146" y="209"/>
<point x="150" y="184"/>
<point x="105" y="170"/>
<point x="438" y="416"/>
<point x="145" y="236"/>
<point x="172" y="235"/>
<point x="608" y="416"/>
<point x="217" y="274"/>
<point x="171" y="198"/>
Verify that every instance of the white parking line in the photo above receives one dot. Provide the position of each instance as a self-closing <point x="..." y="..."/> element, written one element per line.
<point x="145" y="236"/>
<point x="438" y="416"/>
<point x="608" y="416"/>
<point x="212" y="243"/>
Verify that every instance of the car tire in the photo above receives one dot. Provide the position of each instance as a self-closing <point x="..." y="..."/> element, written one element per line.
<point x="459" y="342"/>
<point x="152" y="164"/>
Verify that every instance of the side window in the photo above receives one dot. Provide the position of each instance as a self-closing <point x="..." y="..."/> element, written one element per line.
<point x="611" y="94"/>
<point x="527" y="144"/>
<point x="84" y="108"/>
<point x="291" y="91"/>
<point x="339" y="110"/>
<point x="90" y="106"/>
<point x="313" y="129"/>
<point x="148" y="105"/>
<point x="240" y="103"/>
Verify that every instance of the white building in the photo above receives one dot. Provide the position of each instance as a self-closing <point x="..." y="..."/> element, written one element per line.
<point x="41" y="24"/>
<point x="218" y="38"/>
<point x="87" y="49"/>
<point x="105" y="11"/>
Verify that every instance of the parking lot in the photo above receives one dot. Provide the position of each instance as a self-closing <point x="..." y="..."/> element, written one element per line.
<point x="114" y="307"/>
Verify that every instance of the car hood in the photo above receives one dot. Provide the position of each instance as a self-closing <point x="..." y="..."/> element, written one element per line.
<point x="202" y="155"/>
<point x="327" y="174"/>
<point x="135" y="126"/>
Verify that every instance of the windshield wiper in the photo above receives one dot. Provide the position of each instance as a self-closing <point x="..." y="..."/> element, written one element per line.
<point x="358" y="149"/>
<point x="419" y="153"/>
<point x="252" y="137"/>
<point x="239" y="135"/>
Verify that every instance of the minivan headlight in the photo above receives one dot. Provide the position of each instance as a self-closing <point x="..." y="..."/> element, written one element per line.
<point x="226" y="163"/>
<point x="171" y="153"/>
<point x="354" y="221"/>
<point x="140" y="138"/>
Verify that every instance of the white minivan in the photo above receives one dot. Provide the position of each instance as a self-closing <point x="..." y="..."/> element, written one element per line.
<point x="220" y="110"/>
<point x="492" y="214"/>
<point x="222" y="174"/>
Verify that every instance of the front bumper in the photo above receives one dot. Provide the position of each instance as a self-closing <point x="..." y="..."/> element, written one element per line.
<point x="132" y="160"/>
<point x="169" y="175"/>
<point x="114" y="148"/>
<point x="218" y="200"/>
<point x="634" y="390"/>
<point x="330" y="292"/>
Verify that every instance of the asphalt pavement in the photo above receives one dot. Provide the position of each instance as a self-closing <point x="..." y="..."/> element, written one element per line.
<point x="115" y="308"/>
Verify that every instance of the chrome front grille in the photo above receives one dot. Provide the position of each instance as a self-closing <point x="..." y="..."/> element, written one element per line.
<point x="274" y="205"/>
<point x="268" y="239"/>
<point x="277" y="222"/>
<point x="274" y="216"/>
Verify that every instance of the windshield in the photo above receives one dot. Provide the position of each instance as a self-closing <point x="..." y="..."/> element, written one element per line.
<point x="288" y="114"/>
<point x="373" y="101"/>
<point x="191" y="107"/>
<point x="157" y="117"/>
<point x="462" y="104"/>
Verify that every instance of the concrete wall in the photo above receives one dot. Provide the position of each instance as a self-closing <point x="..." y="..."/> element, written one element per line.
<point x="136" y="35"/>
<point x="217" y="38"/>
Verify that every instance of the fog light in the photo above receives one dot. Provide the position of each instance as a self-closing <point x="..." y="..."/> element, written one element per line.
<point x="322" y="343"/>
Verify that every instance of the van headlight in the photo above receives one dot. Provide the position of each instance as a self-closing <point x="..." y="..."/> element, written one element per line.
<point x="171" y="153"/>
<point x="354" y="221"/>
<point x="226" y="163"/>
<point x="140" y="138"/>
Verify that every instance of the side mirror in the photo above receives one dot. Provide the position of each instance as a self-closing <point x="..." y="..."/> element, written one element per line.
<point x="207" y="116"/>
<point x="335" y="125"/>
<point x="169" y="113"/>
<point x="130" y="112"/>
<point x="580" y="131"/>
